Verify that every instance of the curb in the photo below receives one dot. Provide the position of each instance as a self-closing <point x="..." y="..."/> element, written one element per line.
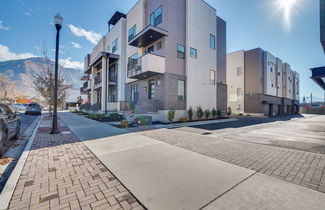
<point x="10" y="186"/>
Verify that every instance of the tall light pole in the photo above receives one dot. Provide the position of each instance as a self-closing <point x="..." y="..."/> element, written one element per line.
<point x="58" y="24"/>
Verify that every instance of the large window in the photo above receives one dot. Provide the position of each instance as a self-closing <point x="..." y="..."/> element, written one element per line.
<point x="212" y="77"/>
<point x="156" y="17"/>
<point x="132" y="32"/>
<point x="239" y="92"/>
<point x="134" y="93"/>
<point x="239" y="71"/>
<point x="193" y="53"/>
<point x="151" y="91"/>
<point x="114" y="46"/>
<point x="212" y="41"/>
<point x="181" y="89"/>
<point x="180" y="51"/>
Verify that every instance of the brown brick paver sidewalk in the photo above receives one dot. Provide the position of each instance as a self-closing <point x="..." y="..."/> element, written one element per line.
<point x="299" y="167"/>
<point x="62" y="173"/>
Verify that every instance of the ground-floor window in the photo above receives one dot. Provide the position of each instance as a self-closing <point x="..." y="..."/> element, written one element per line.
<point x="134" y="93"/>
<point x="112" y="94"/>
<point x="151" y="89"/>
<point x="181" y="89"/>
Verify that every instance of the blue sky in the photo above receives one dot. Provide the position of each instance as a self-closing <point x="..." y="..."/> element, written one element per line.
<point x="25" y="24"/>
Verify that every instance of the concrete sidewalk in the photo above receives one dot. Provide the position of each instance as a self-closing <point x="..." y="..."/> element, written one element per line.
<point x="162" y="176"/>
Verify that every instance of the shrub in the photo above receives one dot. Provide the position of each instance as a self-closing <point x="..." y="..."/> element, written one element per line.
<point x="96" y="116"/>
<point x="228" y="111"/>
<point x="171" y="115"/>
<point x="124" y="124"/>
<point x="115" y="117"/>
<point x="207" y="113"/>
<point x="142" y="120"/>
<point x="190" y="114"/>
<point x="214" y="113"/>
<point x="183" y="119"/>
<point x="219" y="113"/>
<point x="199" y="113"/>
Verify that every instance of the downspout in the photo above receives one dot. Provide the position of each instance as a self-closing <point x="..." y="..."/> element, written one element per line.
<point x="106" y="87"/>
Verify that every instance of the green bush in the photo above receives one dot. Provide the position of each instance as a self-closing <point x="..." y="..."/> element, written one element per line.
<point x="142" y="120"/>
<point x="207" y="113"/>
<point x="115" y="117"/>
<point x="219" y="113"/>
<point x="229" y="111"/>
<point x="190" y="113"/>
<point x="96" y="116"/>
<point x="214" y="113"/>
<point x="199" y="112"/>
<point x="171" y="115"/>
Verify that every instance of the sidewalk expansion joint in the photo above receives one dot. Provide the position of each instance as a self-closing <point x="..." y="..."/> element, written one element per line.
<point x="227" y="191"/>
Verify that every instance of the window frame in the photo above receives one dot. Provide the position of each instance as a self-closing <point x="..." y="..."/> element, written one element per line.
<point x="151" y="88"/>
<point x="115" y="45"/>
<point x="181" y="93"/>
<point x="179" y="53"/>
<point x="193" y="55"/>
<point x="239" y="71"/>
<point x="156" y="19"/>
<point x="133" y="29"/>
<point x="212" y="81"/>
<point x="159" y="45"/>
<point x="212" y="38"/>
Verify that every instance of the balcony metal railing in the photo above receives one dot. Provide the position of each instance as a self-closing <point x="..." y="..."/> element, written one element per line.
<point x="85" y="85"/>
<point x="134" y="66"/>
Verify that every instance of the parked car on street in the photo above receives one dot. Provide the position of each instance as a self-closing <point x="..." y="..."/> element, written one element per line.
<point x="9" y="126"/>
<point x="33" y="109"/>
<point x="19" y="107"/>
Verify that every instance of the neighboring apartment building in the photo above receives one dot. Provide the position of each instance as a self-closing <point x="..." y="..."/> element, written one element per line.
<point x="261" y="83"/>
<point x="105" y="72"/>
<point x="175" y="58"/>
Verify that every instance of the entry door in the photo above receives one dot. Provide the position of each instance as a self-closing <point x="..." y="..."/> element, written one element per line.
<point x="271" y="110"/>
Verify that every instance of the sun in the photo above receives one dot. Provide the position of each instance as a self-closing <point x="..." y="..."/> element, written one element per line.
<point x="286" y="9"/>
<point x="287" y="4"/>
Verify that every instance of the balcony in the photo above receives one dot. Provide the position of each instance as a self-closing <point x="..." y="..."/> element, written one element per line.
<point x="147" y="36"/>
<point x="85" y="77"/>
<point x="98" y="81"/>
<point x="84" y="90"/>
<point x="146" y="66"/>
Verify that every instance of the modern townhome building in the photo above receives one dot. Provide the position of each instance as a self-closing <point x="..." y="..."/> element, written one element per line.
<point x="169" y="55"/>
<point x="176" y="54"/>
<point x="105" y="69"/>
<point x="260" y="83"/>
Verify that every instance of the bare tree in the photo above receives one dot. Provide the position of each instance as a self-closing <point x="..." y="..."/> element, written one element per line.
<point x="8" y="92"/>
<point x="43" y="83"/>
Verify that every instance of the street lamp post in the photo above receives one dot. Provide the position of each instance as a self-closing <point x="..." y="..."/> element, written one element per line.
<point x="58" y="24"/>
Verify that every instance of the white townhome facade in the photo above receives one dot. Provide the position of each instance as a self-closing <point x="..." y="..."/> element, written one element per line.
<point x="171" y="55"/>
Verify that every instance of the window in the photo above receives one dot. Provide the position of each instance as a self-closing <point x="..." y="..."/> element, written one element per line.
<point x="132" y="32"/>
<point x="279" y="86"/>
<point x="134" y="93"/>
<point x="114" y="46"/>
<point x="279" y="73"/>
<point x="289" y="90"/>
<point x="150" y="50"/>
<point x="180" y="51"/>
<point x="239" y="93"/>
<point x="181" y="89"/>
<point x="271" y="83"/>
<point x="156" y="17"/>
<point x="212" y="41"/>
<point x="271" y="69"/>
<point x="159" y="45"/>
<point x="193" y="53"/>
<point x="133" y="61"/>
<point x="151" y="92"/>
<point x="239" y="71"/>
<point x="212" y="77"/>
<point x="158" y="81"/>
<point x="108" y="48"/>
